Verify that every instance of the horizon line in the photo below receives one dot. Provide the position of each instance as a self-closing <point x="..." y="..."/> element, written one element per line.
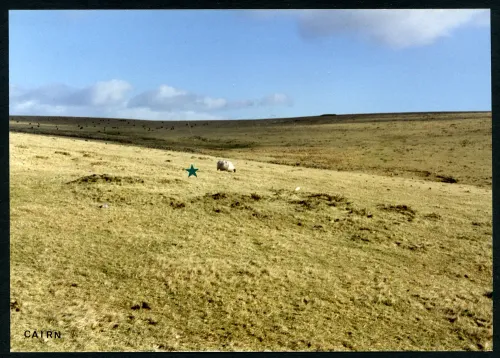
<point x="257" y="119"/>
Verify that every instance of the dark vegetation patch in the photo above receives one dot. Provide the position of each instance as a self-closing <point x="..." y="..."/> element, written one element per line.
<point x="15" y="305"/>
<point x="477" y="223"/>
<point x="320" y="202"/>
<point x="255" y="196"/>
<point x="328" y="197"/>
<point x="400" y="209"/>
<point x="171" y="181"/>
<point x="199" y="143"/>
<point x="218" y="196"/>
<point x="151" y="139"/>
<point x="468" y="237"/>
<point x="113" y="133"/>
<point x="177" y="204"/>
<point x="360" y="237"/>
<point x="132" y="196"/>
<point x="315" y="200"/>
<point x="41" y="157"/>
<point x="361" y="234"/>
<point x="222" y="202"/>
<point x="465" y="142"/>
<point x="359" y="211"/>
<point x="410" y="246"/>
<point x="306" y="204"/>
<point x="425" y="174"/>
<point x="143" y="305"/>
<point x="61" y="152"/>
<point x="235" y="204"/>
<point x="106" y="178"/>
<point x="281" y="206"/>
<point x="447" y="179"/>
<point x="201" y="138"/>
<point x="259" y="215"/>
<point x="432" y="216"/>
<point x="470" y="326"/>
<point x="421" y="173"/>
<point x="292" y="162"/>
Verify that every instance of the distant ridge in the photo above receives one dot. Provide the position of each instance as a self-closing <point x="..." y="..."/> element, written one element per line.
<point x="319" y="118"/>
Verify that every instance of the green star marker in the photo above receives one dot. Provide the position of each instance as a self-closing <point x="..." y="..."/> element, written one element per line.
<point x="192" y="171"/>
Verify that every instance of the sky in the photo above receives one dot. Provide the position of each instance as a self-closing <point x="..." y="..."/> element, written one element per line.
<point x="247" y="64"/>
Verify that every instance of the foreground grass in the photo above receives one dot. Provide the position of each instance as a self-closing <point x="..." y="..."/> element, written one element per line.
<point x="429" y="146"/>
<point x="240" y="261"/>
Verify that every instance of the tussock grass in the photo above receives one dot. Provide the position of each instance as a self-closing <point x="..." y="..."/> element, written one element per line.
<point x="240" y="261"/>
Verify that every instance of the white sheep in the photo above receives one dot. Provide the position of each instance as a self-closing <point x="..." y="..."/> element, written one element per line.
<point x="225" y="165"/>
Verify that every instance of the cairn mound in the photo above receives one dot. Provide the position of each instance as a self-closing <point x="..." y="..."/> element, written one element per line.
<point x="106" y="178"/>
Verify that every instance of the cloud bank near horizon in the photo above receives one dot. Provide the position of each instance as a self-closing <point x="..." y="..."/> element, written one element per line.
<point x="112" y="99"/>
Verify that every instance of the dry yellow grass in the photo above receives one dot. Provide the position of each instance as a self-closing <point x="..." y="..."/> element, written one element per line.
<point x="240" y="261"/>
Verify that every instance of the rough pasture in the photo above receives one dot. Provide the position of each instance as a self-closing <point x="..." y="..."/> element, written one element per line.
<point x="435" y="147"/>
<point x="123" y="251"/>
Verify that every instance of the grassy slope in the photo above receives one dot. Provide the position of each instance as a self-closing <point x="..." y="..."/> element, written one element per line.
<point x="414" y="145"/>
<point x="235" y="271"/>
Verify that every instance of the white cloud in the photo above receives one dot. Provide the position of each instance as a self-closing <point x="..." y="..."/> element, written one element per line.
<point x="35" y="108"/>
<point x="100" y="94"/>
<point x="167" y="92"/>
<point x="111" y="99"/>
<point x="166" y="98"/>
<point x="145" y="113"/>
<point x="276" y="99"/>
<point x="108" y="93"/>
<point x="393" y="28"/>
<point x="50" y="94"/>
<point x="214" y="103"/>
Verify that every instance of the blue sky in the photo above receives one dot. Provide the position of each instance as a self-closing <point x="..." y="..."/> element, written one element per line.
<point x="232" y="64"/>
